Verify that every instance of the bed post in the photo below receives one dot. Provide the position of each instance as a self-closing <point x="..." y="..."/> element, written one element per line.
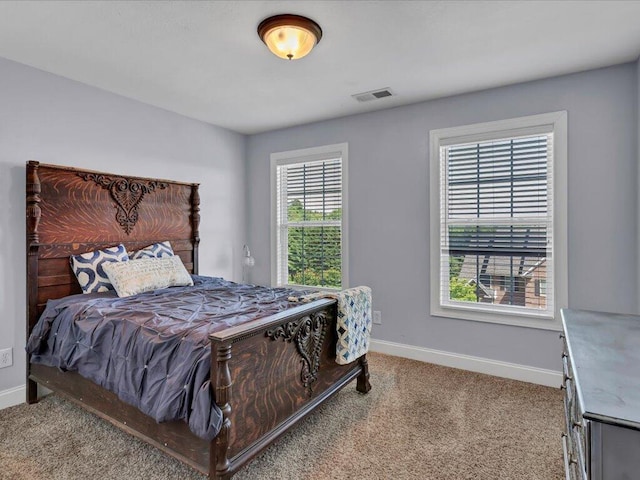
<point x="363" y="385"/>
<point x="32" y="220"/>
<point x="195" y="224"/>
<point x="221" y="383"/>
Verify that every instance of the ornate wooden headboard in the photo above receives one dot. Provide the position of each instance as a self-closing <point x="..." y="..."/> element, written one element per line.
<point x="71" y="211"/>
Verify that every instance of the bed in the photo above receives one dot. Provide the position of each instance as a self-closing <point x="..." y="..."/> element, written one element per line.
<point x="266" y="374"/>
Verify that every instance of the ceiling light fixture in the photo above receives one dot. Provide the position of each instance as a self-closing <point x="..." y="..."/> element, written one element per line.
<point x="289" y="36"/>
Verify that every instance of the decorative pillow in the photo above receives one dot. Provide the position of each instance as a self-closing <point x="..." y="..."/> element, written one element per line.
<point x="157" y="250"/>
<point x="147" y="274"/>
<point x="88" y="268"/>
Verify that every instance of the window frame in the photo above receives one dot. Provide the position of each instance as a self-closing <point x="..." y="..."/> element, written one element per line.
<point x="289" y="157"/>
<point x="555" y="122"/>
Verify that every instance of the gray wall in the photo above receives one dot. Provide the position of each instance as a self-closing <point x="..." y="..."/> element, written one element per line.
<point x="389" y="210"/>
<point x="54" y="120"/>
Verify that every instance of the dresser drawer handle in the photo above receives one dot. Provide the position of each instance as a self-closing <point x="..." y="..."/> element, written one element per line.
<point x="568" y="377"/>
<point x="561" y="336"/>
<point x="564" y="355"/>
<point x="577" y="424"/>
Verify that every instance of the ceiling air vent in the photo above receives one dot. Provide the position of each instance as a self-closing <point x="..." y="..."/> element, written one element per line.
<point x="373" y="95"/>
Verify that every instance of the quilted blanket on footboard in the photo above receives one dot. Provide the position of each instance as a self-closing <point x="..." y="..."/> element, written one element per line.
<point x="353" y="325"/>
<point x="152" y="349"/>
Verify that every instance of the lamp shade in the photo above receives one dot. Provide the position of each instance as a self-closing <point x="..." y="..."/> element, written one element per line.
<point x="289" y="36"/>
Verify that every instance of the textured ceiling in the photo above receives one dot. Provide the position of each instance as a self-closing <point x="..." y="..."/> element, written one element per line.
<point x="205" y="60"/>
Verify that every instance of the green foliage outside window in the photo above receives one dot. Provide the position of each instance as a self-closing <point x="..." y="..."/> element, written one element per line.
<point x="455" y="265"/>
<point x="461" y="290"/>
<point x="314" y="252"/>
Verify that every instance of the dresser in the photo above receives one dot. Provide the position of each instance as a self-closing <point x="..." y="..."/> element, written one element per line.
<point x="601" y="384"/>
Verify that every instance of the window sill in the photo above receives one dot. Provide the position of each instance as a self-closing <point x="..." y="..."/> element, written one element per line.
<point x="307" y="287"/>
<point x="539" y="322"/>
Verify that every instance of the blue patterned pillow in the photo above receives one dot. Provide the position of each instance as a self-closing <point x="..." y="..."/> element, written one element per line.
<point x="157" y="250"/>
<point x="88" y="268"/>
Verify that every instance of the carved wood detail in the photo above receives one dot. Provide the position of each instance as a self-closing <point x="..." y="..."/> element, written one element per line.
<point x="127" y="193"/>
<point x="308" y="334"/>
<point x="223" y="383"/>
<point x="195" y="222"/>
<point x="33" y="214"/>
<point x="33" y="203"/>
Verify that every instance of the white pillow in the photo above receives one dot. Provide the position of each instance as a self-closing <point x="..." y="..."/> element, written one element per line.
<point x="147" y="274"/>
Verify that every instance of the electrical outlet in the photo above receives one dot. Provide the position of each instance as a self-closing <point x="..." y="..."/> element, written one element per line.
<point x="6" y="357"/>
<point x="377" y="317"/>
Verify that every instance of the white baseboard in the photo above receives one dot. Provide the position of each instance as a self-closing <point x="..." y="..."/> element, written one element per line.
<point x="17" y="395"/>
<point x="541" y="376"/>
<point x="13" y="396"/>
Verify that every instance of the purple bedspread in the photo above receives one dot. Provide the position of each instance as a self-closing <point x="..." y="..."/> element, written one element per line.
<point x="152" y="349"/>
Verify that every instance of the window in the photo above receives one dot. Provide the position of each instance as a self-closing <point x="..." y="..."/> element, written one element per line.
<point x="498" y="221"/>
<point x="309" y="217"/>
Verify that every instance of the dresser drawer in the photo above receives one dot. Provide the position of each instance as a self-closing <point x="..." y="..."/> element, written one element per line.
<point x="580" y="448"/>
<point x="575" y="429"/>
<point x="570" y="463"/>
<point x="568" y="408"/>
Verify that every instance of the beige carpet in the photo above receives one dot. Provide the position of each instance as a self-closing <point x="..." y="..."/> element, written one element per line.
<point x="420" y="421"/>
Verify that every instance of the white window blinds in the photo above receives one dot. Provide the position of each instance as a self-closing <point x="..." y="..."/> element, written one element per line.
<point x="496" y="238"/>
<point x="309" y="223"/>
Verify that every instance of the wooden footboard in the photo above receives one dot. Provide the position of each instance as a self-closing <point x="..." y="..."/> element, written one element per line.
<point x="269" y="374"/>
